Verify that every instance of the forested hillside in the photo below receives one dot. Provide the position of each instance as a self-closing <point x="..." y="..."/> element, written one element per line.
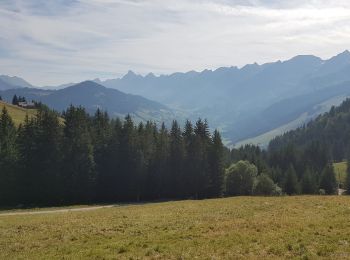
<point x="97" y="159"/>
<point x="301" y="160"/>
<point x="330" y="130"/>
<point x="94" y="159"/>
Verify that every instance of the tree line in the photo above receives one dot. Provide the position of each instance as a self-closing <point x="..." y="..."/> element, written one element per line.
<point x="77" y="158"/>
<point x="73" y="157"/>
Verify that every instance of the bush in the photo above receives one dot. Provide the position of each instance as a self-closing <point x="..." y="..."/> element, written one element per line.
<point x="240" y="178"/>
<point x="266" y="186"/>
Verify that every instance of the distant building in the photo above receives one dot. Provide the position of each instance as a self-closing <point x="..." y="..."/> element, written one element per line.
<point x="26" y="104"/>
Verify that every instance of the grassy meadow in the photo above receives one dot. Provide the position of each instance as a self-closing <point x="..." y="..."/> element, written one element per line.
<point x="299" y="227"/>
<point x="17" y="114"/>
<point x="340" y="172"/>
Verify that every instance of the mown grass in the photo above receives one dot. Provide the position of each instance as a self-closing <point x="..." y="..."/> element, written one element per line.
<point x="340" y="169"/>
<point x="303" y="227"/>
<point x="17" y="114"/>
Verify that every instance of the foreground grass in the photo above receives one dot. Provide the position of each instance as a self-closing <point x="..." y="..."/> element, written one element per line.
<point x="306" y="227"/>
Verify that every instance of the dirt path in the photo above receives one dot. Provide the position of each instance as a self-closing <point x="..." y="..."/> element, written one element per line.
<point x="55" y="211"/>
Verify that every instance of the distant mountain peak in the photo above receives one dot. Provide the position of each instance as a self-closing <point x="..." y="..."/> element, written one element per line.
<point x="86" y="84"/>
<point x="344" y="56"/>
<point x="129" y="75"/>
<point x="16" y="81"/>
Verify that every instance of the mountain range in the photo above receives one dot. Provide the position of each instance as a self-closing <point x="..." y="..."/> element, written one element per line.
<point x="249" y="104"/>
<point x="92" y="96"/>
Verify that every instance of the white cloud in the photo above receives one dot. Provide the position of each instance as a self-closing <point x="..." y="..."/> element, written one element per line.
<point x="51" y="42"/>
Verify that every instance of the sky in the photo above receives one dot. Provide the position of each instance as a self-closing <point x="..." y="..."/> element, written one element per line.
<point x="51" y="42"/>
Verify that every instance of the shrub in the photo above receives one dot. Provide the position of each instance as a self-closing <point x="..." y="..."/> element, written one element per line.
<point x="240" y="178"/>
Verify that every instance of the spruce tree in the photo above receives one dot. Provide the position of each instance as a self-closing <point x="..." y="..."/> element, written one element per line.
<point x="291" y="181"/>
<point x="101" y="138"/>
<point x="328" y="181"/>
<point x="308" y="182"/>
<point x="176" y="162"/>
<point x="48" y="156"/>
<point x="189" y="169"/>
<point x="201" y="147"/>
<point x="79" y="165"/>
<point x="9" y="180"/>
<point x="15" y="100"/>
<point x="128" y="160"/>
<point x="216" y="165"/>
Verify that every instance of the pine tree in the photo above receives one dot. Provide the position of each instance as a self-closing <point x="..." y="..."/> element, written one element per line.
<point x="48" y="156"/>
<point x="79" y="164"/>
<point x="189" y="169"/>
<point x="101" y="138"/>
<point x="175" y="162"/>
<point x="328" y="181"/>
<point x="158" y="164"/>
<point x="128" y="161"/>
<point x="39" y="142"/>
<point x="109" y="180"/>
<point x="308" y="182"/>
<point x="8" y="160"/>
<point x="15" y="100"/>
<point x="216" y="165"/>
<point x="200" y="163"/>
<point x="291" y="181"/>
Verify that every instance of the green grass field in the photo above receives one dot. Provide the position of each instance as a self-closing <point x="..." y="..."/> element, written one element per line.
<point x="340" y="172"/>
<point x="17" y="114"/>
<point x="300" y="227"/>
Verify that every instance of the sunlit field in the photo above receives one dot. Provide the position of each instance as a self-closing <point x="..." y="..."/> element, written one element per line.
<point x="305" y="227"/>
<point x="17" y="114"/>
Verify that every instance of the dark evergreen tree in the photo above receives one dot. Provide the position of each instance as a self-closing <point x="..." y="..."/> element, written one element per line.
<point x="78" y="163"/>
<point x="291" y="181"/>
<point x="216" y="166"/>
<point x="175" y="162"/>
<point x="101" y="138"/>
<point x="189" y="179"/>
<point x="309" y="182"/>
<point x="201" y="166"/>
<point x="158" y="166"/>
<point x="328" y="182"/>
<point x="15" y="100"/>
<point x="109" y="179"/>
<point x="9" y="180"/>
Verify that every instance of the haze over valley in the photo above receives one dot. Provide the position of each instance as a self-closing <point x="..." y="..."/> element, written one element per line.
<point x="252" y="103"/>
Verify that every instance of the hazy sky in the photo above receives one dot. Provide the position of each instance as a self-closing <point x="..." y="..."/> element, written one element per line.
<point x="52" y="42"/>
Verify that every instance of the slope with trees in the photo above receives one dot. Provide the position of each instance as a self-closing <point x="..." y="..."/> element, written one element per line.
<point x="90" y="159"/>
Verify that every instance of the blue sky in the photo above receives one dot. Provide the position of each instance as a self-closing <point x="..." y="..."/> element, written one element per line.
<point x="54" y="42"/>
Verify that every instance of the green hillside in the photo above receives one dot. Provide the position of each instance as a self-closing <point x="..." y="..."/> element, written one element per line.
<point x="340" y="172"/>
<point x="18" y="114"/>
